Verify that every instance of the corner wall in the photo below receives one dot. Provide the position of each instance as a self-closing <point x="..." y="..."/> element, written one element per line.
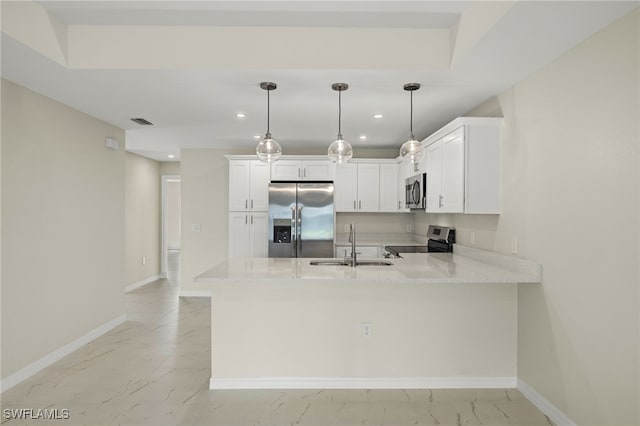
<point x="570" y="197"/>
<point x="62" y="226"/>
<point x="142" y="219"/>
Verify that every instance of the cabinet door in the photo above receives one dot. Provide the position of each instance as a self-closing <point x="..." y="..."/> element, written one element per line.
<point x="368" y="187"/>
<point x="286" y="170"/>
<point x="259" y="192"/>
<point x="239" y="234"/>
<point x="389" y="188"/>
<point x="239" y="184"/>
<point x="346" y="188"/>
<point x="453" y="172"/>
<point x="318" y="170"/>
<point x="259" y="234"/>
<point x="433" y="161"/>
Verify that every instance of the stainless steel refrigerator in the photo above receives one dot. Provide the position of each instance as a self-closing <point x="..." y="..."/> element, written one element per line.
<point x="301" y="219"/>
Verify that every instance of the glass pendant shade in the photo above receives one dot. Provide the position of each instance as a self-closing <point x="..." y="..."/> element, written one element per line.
<point x="411" y="151"/>
<point x="268" y="150"/>
<point x="340" y="151"/>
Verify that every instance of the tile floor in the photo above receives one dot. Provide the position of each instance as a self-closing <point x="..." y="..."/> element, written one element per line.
<point x="154" y="370"/>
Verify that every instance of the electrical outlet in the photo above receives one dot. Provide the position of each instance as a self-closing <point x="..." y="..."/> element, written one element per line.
<point x="472" y="237"/>
<point x="366" y="329"/>
<point x="195" y="227"/>
<point x="514" y="245"/>
<point x="409" y="228"/>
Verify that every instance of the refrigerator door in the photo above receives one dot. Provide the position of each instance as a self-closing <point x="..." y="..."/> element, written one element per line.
<point x="282" y="220"/>
<point x="315" y="220"/>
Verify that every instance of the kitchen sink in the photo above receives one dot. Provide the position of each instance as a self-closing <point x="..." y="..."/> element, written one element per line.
<point x="334" y="262"/>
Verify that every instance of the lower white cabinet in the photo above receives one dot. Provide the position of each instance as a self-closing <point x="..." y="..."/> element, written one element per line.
<point x="361" y="251"/>
<point x="248" y="234"/>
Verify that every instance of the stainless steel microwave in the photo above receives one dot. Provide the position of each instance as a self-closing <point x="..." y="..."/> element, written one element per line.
<point x="416" y="191"/>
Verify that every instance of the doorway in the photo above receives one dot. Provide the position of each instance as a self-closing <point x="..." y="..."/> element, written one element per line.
<point x="171" y="227"/>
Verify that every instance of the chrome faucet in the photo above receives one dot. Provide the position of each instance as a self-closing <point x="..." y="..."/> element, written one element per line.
<point x="352" y="240"/>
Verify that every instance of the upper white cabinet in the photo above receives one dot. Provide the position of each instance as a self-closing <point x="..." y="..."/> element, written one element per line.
<point x="357" y="187"/>
<point x="248" y="185"/>
<point x="298" y="170"/>
<point x="389" y="199"/>
<point x="462" y="162"/>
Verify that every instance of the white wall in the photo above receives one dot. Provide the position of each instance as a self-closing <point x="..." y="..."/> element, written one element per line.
<point x="142" y="218"/>
<point x="173" y="215"/>
<point x="62" y="226"/>
<point x="570" y="197"/>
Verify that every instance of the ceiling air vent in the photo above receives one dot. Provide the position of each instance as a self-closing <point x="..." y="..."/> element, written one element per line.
<point x="142" y="121"/>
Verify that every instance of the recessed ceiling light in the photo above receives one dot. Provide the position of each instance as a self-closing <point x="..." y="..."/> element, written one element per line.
<point x="363" y="137"/>
<point x="241" y="115"/>
<point x="377" y="116"/>
<point x="171" y="156"/>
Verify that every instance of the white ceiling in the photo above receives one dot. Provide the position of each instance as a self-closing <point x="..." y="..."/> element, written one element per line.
<point x="194" y="105"/>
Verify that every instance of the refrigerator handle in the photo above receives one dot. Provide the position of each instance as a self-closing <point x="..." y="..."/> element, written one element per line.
<point x="299" y="227"/>
<point x="294" y="239"/>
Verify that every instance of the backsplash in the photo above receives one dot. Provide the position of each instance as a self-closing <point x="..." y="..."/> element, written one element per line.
<point x="375" y="223"/>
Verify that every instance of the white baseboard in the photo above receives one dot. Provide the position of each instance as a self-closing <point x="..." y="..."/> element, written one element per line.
<point x="194" y="293"/>
<point x="363" y="383"/>
<point x="144" y="282"/>
<point x="33" y="368"/>
<point x="556" y="416"/>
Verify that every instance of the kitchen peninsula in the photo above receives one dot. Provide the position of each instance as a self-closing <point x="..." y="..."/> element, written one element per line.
<point x="426" y="321"/>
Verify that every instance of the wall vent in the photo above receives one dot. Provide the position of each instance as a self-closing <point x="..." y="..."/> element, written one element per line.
<point x="142" y="121"/>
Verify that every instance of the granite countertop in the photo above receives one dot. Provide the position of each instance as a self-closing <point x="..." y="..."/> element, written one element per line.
<point x="465" y="265"/>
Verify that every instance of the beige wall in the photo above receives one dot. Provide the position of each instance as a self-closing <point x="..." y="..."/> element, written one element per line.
<point x="142" y="218"/>
<point x="570" y="197"/>
<point x="62" y="226"/>
<point x="169" y="168"/>
<point x="173" y="215"/>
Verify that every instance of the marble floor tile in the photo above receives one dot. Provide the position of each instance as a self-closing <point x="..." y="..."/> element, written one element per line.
<point x="154" y="370"/>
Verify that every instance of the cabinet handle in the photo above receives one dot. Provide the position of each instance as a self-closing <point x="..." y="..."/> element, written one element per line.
<point x="246" y="204"/>
<point x="299" y="174"/>
<point x="246" y="219"/>
<point x="304" y="172"/>
<point x="354" y="205"/>
<point x="252" y="203"/>
<point x="252" y="219"/>
<point x="440" y="201"/>
<point x="359" y="204"/>
<point x="399" y="205"/>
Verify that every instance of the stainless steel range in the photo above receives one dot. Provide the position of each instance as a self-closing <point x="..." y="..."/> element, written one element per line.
<point x="441" y="240"/>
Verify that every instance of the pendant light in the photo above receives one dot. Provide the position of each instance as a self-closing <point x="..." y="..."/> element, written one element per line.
<point x="268" y="150"/>
<point x="409" y="150"/>
<point x="340" y="151"/>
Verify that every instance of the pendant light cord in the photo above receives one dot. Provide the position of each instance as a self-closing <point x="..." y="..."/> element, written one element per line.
<point x="340" y="114"/>
<point x="411" y="119"/>
<point x="268" y="110"/>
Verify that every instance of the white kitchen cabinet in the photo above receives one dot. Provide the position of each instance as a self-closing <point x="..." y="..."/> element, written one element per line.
<point x="361" y="251"/>
<point x="357" y="187"/>
<point x="463" y="167"/>
<point x="248" y="234"/>
<point x="389" y="200"/>
<point x="248" y="185"/>
<point x="300" y="170"/>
